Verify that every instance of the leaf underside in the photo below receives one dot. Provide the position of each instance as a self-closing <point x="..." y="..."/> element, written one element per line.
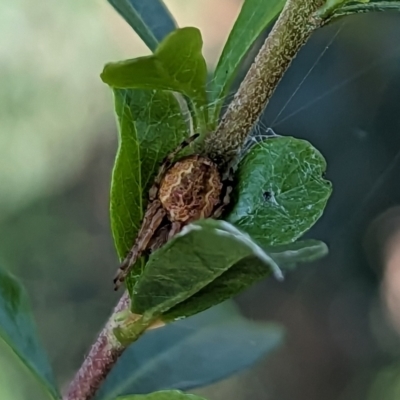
<point x="190" y="261"/>
<point x="243" y="275"/>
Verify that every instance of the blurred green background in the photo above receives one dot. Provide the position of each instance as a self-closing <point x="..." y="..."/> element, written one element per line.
<point x="57" y="145"/>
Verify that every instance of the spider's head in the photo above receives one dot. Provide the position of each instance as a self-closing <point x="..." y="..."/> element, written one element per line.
<point x="191" y="189"/>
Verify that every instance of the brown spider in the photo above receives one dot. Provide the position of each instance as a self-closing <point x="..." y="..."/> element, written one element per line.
<point x="183" y="191"/>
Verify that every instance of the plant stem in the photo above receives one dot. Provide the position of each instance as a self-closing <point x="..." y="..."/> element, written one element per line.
<point x="101" y="358"/>
<point x="293" y="28"/>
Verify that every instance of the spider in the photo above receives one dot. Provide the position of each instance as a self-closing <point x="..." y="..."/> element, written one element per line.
<point x="183" y="191"/>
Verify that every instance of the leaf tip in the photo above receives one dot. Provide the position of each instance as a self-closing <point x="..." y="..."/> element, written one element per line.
<point x="104" y="76"/>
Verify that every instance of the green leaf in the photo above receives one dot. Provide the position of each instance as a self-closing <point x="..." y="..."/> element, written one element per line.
<point x="357" y="7"/>
<point x="281" y="191"/>
<point x="254" y="17"/>
<point x="150" y="19"/>
<point x="176" y="65"/>
<point x="196" y="352"/>
<point x="329" y="6"/>
<point x="163" y="395"/>
<point x="150" y="126"/>
<point x="189" y="262"/>
<point x="18" y="332"/>
<point x="244" y="274"/>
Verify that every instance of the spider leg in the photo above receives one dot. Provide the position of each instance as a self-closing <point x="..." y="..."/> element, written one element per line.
<point x="167" y="163"/>
<point x="226" y="199"/>
<point x="155" y="213"/>
<point x="164" y="234"/>
<point x="160" y="238"/>
<point x="153" y="217"/>
<point x="176" y="227"/>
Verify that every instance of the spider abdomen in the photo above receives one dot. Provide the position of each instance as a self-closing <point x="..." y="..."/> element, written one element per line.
<point x="191" y="189"/>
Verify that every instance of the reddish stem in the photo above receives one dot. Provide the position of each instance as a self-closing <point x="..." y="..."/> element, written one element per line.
<point x="102" y="357"/>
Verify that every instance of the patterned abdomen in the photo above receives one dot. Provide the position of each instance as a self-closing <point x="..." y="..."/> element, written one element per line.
<point x="191" y="189"/>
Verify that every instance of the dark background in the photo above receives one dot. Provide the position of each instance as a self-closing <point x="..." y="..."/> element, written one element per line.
<point x="57" y="144"/>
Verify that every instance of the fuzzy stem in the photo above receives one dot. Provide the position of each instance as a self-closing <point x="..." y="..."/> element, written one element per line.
<point x="101" y="358"/>
<point x="293" y="28"/>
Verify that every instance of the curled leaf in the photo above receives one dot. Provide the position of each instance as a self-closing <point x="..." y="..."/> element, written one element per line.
<point x="177" y="65"/>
